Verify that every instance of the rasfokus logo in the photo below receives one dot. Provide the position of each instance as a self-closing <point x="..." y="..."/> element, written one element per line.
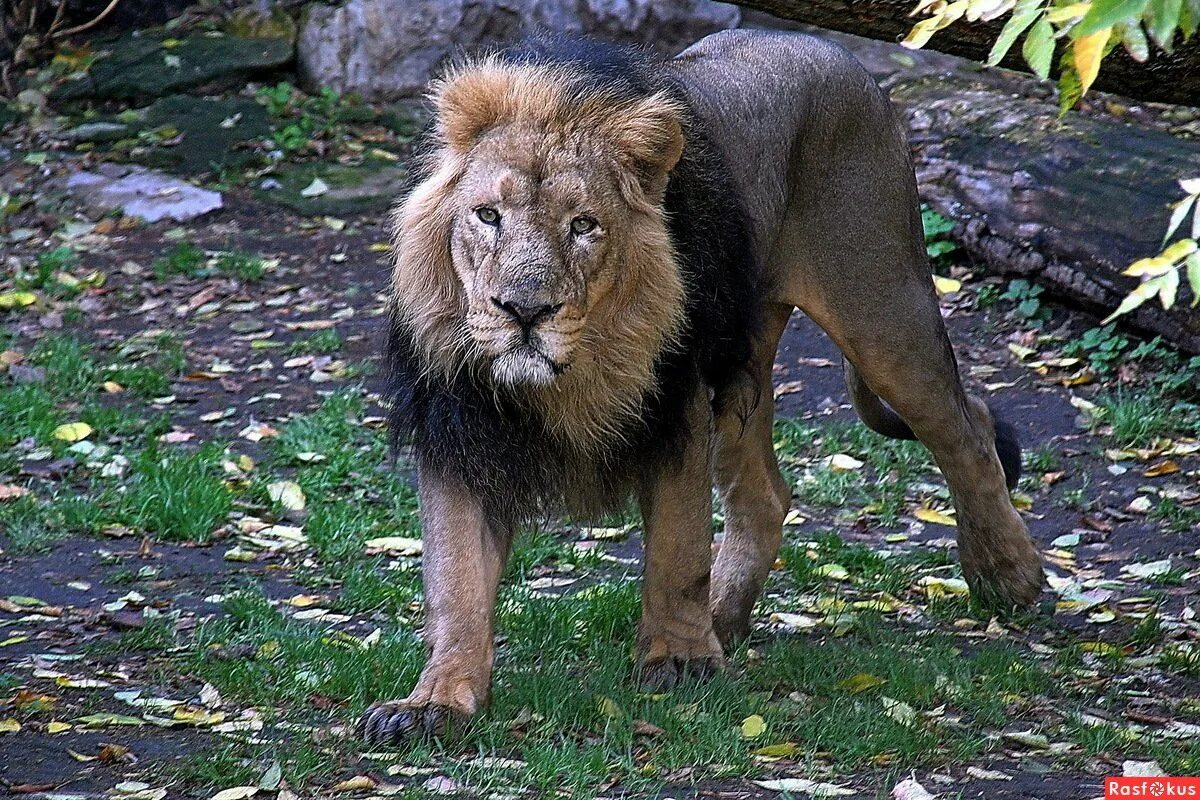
<point x="1151" y="787"/>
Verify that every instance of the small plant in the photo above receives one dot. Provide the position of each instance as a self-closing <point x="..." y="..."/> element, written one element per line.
<point x="1102" y="347"/>
<point x="1027" y="297"/>
<point x="51" y="273"/>
<point x="1137" y="419"/>
<point x="321" y="342"/>
<point x="184" y="259"/>
<point x="306" y="118"/>
<point x="243" y="266"/>
<point x="937" y="228"/>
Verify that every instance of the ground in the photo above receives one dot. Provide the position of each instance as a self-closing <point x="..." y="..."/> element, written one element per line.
<point x="210" y="561"/>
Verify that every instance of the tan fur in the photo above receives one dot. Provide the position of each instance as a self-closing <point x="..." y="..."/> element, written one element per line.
<point x="629" y="309"/>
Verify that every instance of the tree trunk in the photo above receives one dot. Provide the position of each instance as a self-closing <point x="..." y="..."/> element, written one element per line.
<point x="1173" y="78"/>
<point x="1067" y="203"/>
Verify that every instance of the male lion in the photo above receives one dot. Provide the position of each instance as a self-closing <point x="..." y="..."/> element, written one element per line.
<point x="590" y="283"/>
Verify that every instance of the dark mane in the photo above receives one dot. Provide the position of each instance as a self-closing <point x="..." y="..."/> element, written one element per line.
<point x="501" y="451"/>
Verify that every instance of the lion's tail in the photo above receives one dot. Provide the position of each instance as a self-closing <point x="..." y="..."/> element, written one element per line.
<point x="879" y="417"/>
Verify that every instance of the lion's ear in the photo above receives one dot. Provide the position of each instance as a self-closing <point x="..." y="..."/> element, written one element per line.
<point x="649" y="136"/>
<point x="469" y="102"/>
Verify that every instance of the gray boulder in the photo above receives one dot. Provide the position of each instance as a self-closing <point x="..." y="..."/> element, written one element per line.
<point x="385" y="50"/>
<point x="137" y="192"/>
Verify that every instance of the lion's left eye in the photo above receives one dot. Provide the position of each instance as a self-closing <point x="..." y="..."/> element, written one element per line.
<point x="582" y="225"/>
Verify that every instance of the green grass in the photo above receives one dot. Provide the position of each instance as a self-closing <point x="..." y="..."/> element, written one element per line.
<point x="879" y="489"/>
<point x="321" y="342"/>
<point x="243" y="266"/>
<point x="182" y="259"/>
<point x="1137" y="419"/>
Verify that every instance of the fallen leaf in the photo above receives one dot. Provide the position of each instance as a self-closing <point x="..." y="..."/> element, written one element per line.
<point x="934" y="517"/>
<point x="910" y="790"/>
<point x="9" y="726"/>
<point x="10" y="492"/>
<point x="811" y="788"/>
<point x="288" y="494"/>
<point x="840" y="462"/>
<point x="781" y="750"/>
<point x="395" y="545"/>
<point x="72" y="431"/>
<point x="861" y="682"/>
<point x="354" y="784"/>
<point x="1167" y="467"/>
<point x="753" y="726"/>
<point x="235" y="793"/>
<point x="317" y="188"/>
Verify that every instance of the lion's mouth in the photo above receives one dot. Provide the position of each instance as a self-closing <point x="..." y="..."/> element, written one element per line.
<point x="526" y="365"/>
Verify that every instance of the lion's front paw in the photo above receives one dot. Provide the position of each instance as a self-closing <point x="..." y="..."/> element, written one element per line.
<point x="398" y="722"/>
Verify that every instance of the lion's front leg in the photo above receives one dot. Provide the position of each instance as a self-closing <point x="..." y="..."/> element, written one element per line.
<point x="463" y="559"/>
<point x="675" y="638"/>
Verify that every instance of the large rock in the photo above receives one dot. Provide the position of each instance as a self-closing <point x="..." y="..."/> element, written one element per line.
<point x="153" y="64"/>
<point x="385" y="50"/>
<point x="142" y="193"/>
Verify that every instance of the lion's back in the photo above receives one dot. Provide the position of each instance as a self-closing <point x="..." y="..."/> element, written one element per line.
<point x="765" y="98"/>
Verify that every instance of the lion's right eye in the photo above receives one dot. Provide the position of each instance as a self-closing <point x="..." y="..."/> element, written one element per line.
<point x="488" y="215"/>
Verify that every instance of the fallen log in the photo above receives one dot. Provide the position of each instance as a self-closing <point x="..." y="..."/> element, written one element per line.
<point x="1068" y="203"/>
<point x="1166" y="78"/>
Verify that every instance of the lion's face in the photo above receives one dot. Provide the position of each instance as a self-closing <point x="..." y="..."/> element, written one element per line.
<point x="531" y="245"/>
<point x="537" y="250"/>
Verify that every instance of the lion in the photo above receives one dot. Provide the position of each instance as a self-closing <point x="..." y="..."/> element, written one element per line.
<point x="591" y="278"/>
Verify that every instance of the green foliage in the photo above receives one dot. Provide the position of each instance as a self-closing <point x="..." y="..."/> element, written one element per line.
<point x="937" y="229"/>
<point x="303" y="118"/>
<point x="243" y="266"/>
<point x="1027" y="297"/>
<point x="184" y="258"/>
<point x="320" y="342"/>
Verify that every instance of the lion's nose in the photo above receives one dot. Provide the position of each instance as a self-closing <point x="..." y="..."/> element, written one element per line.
<point x="526" y="314"/>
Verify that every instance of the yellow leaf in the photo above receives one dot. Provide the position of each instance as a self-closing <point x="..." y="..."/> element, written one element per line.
<point x="9" y="726"/>
<point x="608" y="707"/>
<point x="198" y="716"/>
<point x="1088" y="51"/>
<point x="1073" y="11"/>
<point x="781" y="750"/>
<point x="861" y="682"/>
<point x="841" y="462"/>
<point x="1149" y="267"/>
<point x="832" y="571"/>
<point x="288" y="494"/>
<point x="753" y="726"/>
<point x="1167" y="467"/>
<point x="946" y="285"/>
<point x="354" y="784"/>
<point x="72" y="431"/>
<point x="58" y="727"/>
<point x="17" y="299"/>
<point x="935" y="517"/>
<point x="1179" y="250"/>
<point x="944" y="587"/>
<point x="112" y="387"/>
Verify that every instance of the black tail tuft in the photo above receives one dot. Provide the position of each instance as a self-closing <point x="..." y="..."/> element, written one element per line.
<point x="1008" y="448"/>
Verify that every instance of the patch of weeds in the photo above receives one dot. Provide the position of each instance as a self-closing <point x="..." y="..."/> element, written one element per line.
<point x="1178" y="517"/>
<point x="28" y="525"/>
<point x="143" y="381"/>
<point x="937" y="229"/>
<point x="175" y="495"/>
<point x="1136" y="419"/>
<point x="319" y="343"/>
<point x="184" y="258"/>
<point x="1028" y="299"/>
<point x="70" y="369"/>
<point x="219" y="767"/>
<point x="829" y="559"/>
<point x="987" y="296"/>
<point x="303" y="118"/>
<point x="28" y="411"/>
<point x="1042" y="459"/>
<point x="51" y="274"/>
<point x="1102" y="347"/>
<point x="243" y="266"/>
<point x="879" y="490"/>
<point x="337" y="531"/>
<point x="369" y="586"/>
<point x="156" y="636"/>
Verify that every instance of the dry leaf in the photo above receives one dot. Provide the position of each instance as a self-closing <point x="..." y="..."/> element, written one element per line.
<point x="72" y="431"/>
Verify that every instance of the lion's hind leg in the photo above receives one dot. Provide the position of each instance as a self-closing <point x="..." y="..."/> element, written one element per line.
<point x="754" y="494"/>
